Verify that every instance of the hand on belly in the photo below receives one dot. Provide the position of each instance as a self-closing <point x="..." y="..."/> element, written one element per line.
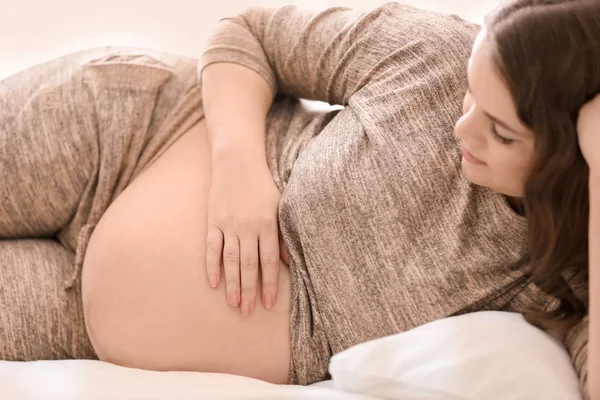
<point x="147" y="300"/>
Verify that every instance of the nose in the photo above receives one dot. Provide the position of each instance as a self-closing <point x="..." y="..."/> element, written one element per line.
<point x="470" y="127"/>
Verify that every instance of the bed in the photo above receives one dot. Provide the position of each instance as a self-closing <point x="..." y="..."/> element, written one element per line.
<point x="485" y="355"/>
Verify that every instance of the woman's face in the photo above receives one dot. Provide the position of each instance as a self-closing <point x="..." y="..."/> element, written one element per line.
<point x="497" y="148"/>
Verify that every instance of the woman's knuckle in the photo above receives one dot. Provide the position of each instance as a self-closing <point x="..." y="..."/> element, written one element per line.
<point x="250" y="263"/>
<point x="268" y="287"/>
<point x="230" y="255"/>
<point x="212" y="246"/>
<point x="249" y="291"/>
<point x="268" y="223"/>
<point x="271" y="262"/>
<point x="212" y="263"/>
<point x="227" y="219"/>
<point x="248" y="227"/>
<point x="233" y="283"/>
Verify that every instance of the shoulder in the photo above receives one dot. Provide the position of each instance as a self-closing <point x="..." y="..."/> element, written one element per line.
<point x="402" y="20"/>
<point x="421" y="63"/>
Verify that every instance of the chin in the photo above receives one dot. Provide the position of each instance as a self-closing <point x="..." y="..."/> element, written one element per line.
<point x="477" y="176"/>
<point x="472" y="173"/>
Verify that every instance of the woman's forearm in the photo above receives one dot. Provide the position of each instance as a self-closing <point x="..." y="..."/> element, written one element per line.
<point x="236" y="101"/>
<point x="594" y="266"/>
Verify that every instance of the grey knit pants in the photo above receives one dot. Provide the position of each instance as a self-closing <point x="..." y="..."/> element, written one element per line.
<point x="74" y="132"/>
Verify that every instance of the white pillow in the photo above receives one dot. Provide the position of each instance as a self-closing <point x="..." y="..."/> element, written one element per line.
<point x="485" y="355"/>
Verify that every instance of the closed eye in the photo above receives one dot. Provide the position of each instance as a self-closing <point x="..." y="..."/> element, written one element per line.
<point x="500" y="138"/>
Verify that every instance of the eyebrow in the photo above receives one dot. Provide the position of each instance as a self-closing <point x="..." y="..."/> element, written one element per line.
<point x="497" y="120"/>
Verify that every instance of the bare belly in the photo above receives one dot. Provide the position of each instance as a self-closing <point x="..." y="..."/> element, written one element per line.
<point x="146" y="296"/>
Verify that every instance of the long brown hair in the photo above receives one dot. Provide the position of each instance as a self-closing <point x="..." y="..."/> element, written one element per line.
<point x="548" y="52"/>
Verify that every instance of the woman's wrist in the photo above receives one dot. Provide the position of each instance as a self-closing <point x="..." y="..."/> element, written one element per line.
<point x="238" y="152"/>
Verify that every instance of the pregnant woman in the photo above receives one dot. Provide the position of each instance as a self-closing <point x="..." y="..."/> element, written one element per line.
<point x="140" y="210"/>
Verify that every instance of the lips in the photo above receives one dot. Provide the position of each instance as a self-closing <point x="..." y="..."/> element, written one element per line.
<point x="470" y="157"/>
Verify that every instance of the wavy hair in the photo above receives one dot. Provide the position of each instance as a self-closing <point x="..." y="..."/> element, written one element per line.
<point x="548" y="52"/>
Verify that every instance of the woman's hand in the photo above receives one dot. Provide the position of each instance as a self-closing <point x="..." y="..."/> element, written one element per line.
<point x="243" y="230"/>
<point x="588" y="130"/>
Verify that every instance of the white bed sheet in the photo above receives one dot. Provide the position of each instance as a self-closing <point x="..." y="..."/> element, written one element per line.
<point x="483" y="355"/>
<point x="95" y="380"/>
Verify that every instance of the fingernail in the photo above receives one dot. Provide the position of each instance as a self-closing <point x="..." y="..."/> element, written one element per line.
<point x="246" y="307"/>
<point x="233" y="299"/>
<point x="213" y="280"/>
<point x="268" y="301"/>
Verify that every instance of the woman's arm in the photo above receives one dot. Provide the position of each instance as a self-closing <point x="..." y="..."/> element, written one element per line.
<point x="331" y="54"/>
<point x="588" y="131"/>
<point x="321" y="55"/>
<point x="243" y="199"/>
<point x="236" y="101"/>
<point x="594" y="274"/>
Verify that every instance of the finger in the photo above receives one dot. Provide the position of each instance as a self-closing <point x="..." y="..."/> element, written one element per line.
<point x="214" y="251"/>
<point x="284" y="253"/>
<point x="249" y="272"/>
<point x="269" y="260"/>
<point x="231" y="263"/>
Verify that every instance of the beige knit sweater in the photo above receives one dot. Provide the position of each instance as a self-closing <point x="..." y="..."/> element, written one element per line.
<point x="384" y="231"/>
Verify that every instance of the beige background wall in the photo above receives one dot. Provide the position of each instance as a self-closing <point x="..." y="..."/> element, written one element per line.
<point x="33" y="31"/>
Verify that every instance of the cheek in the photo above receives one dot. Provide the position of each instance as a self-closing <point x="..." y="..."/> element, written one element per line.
<point x="506" y="171"/>
<point x="513" y="165"/>
<point x="516" y="174"/>
<point x="511" y="170"/>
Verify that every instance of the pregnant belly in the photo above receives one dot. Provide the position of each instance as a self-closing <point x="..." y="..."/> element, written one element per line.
<point x="146" y="296"/>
